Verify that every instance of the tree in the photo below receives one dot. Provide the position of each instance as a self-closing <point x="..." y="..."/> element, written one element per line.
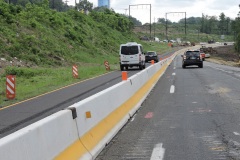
<point x="85" y="6"/>
<point x="222" y="23"/>
<point x="235" y="26"/>
<point x="135" y="21"/>
<point x="161" y="20"/>
<point x="228" y="20"/>
<point x="212" y="25"/>
<point x="100" y="9"/>
<point x="56" y="4"/>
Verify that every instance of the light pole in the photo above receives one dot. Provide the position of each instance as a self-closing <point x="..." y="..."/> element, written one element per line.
<point x="185" y="24"/>
<point x="150" y="14"/>
<point x="198" y="34"/>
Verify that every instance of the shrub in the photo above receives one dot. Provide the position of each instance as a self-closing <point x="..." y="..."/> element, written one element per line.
<point x="25" y="72"/>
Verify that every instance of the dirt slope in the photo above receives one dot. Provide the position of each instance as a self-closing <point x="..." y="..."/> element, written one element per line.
<point x="225" y="55"/>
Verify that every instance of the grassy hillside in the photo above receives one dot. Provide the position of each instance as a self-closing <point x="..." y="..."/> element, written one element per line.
<point x="46" y="37"/>
<point x="39" y="46"/>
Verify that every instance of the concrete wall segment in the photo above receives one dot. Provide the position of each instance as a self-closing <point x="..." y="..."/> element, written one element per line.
<point x="44" y="139"/>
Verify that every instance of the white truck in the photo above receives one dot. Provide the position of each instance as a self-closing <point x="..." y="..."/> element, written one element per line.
<point x="131" y="54"/>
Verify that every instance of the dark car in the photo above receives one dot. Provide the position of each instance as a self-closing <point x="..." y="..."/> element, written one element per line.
<point x="151" y="55"/>
<point x="192" y="58"/>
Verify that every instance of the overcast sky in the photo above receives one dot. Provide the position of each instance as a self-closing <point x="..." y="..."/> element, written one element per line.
<point x="193" y="8"/>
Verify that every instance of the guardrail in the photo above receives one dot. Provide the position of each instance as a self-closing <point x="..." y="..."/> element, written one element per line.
<point x="82" y="130"/>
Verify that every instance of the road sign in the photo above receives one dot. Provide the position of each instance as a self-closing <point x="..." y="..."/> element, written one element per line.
<point x="75" y="71"/>
<point x="107" y="66"/>
<point x="10" y="86"/>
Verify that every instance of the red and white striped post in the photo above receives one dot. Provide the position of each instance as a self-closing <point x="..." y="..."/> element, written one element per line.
<point x="10" y="86"/>
<point x="107" y="66"/>
<point x="75" y="71"/>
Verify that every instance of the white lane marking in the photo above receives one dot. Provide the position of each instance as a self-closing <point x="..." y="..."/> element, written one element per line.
<point x="172" y="89"/>
<point x="194" y="102"/>
<point x="236" y="133"/>
<point x="174" y="74"/>
<point x="158" y="152"/>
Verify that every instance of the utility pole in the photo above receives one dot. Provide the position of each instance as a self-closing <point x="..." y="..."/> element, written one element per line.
<point x="154" y="27"/>
<point x="150" y="15"/>
<point x="76" y="4"/>
<point x="185" y="25"/>
<point x="166" y="27"/>
<point x="126" y="11"/>
<point x="150" y="22"/>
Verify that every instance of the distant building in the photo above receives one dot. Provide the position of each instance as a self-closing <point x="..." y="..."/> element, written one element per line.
<point x="104" y="3"/>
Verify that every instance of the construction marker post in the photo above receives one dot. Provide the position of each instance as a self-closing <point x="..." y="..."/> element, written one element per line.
<point x="75" y="71"/>
<point x="169" y="44"/>
<point x="10" y="86"/>
<point x="124" y="75"/>
<point x="107" y="66"/>
<point x="152" y="62"/>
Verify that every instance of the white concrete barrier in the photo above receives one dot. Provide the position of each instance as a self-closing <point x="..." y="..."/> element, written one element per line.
<point x="44" y="139"/>
<point x="98" y="119"/>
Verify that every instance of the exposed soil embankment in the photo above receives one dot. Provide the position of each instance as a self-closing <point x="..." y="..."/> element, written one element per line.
<point x="225" y="55"/>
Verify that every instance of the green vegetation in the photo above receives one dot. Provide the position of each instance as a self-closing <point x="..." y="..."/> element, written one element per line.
<point x="236" y="29"/>
<point x="47" y="38"/>
<point x="33" y="82"/>
<point x="48" y="43"/>
<point x="198" y="29"/>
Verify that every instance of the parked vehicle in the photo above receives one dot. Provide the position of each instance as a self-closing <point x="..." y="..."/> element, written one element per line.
<point x="151" y="55"/>
<point x="131" y="54"/>
<point x="156" y="39"/>
<point x="172" y="41"/>
<point x="211" y="41"/>
<point x="207" y="51"/>
<point x="192" y="58"/>
<point x="207" y="55"/>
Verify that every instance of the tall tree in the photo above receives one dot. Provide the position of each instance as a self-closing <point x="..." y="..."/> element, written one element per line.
<point x="56" y="4"/>
<point x="235" y="26"/>
<point x="161" y="20"/>
<point x="212" y="28"/>
<point x="85" y="5"/>
<point x="222" y="23"/>
<point x="228" y="20"/>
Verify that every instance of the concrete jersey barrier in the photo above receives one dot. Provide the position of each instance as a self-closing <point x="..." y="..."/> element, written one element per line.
<point x="82" y="130"/>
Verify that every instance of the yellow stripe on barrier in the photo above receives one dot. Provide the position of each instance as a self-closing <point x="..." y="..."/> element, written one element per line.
<point x="73" y="152"/>
<point x="97" y="133"/>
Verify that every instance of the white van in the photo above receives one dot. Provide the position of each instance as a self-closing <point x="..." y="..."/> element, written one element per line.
<point x="131" y="54"/>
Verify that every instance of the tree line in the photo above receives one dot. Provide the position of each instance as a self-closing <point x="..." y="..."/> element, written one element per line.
<point x="221" y="25"/>
<point x="58" y="5"/>
<point x="206" y="24"/>
<point x="236" y="29"/>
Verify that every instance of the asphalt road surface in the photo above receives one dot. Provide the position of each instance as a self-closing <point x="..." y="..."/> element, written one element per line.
<point x="191" y="114"/>
<point x="20" y="115"/>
